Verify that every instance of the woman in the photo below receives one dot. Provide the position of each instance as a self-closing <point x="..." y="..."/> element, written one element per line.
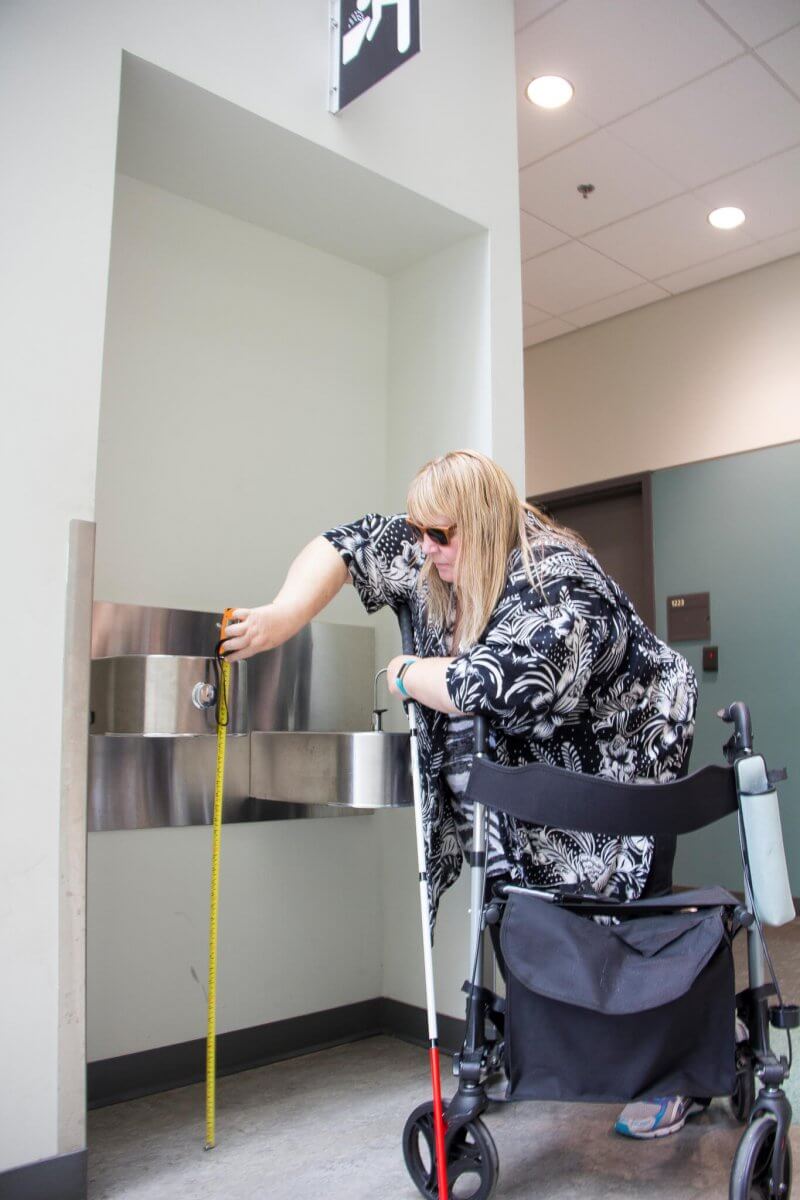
<point x="513" y="618"/>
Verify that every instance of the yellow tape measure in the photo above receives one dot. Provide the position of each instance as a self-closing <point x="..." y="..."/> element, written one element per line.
<point x="219" y="784"/>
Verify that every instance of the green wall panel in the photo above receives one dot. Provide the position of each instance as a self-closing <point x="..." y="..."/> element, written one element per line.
<point x="730" y="527"/>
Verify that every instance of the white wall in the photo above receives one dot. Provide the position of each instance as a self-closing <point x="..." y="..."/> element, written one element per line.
<point x="438" y="402"/>
<point x="244" y="376"/>
<point x="217" y="377"/>
<point x="707" y="373"/>
<point x="435" y="406"/>
<point x="402" y="977"/>
<point x="244" y="404"/>
<point x="300" y="928"/>
<point x="443" y="125"/>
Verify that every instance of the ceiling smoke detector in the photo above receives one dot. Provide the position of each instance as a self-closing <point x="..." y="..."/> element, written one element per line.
<point x="549" y="91"/>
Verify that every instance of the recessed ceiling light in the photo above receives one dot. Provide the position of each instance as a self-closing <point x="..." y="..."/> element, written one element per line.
<point x="549" y="91"/>
<point x="726" y="218"/>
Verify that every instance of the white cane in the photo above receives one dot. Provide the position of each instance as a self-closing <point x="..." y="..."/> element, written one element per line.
<point x="407" y="636"/>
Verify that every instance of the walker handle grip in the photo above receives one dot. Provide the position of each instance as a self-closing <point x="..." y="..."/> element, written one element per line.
<point x="741" y="742"/>
<point x="480" y="735"/>
<point x="406" y="629"/>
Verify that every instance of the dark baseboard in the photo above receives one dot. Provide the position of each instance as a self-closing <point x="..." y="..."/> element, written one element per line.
<point x="410" y="1024"/>
<point x="60" y="1178"/>
<point x="112" y="1080"/>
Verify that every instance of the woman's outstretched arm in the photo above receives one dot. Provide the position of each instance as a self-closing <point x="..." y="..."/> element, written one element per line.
<point x="314" y="578"/>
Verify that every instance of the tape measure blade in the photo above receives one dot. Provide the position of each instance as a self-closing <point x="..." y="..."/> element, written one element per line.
<point x="211" y="1035"/>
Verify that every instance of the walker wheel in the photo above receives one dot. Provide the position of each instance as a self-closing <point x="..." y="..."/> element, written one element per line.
<point x="751" y="1176"/>
<point x="743" y="1096"/>
<point x="472" y="1163"/>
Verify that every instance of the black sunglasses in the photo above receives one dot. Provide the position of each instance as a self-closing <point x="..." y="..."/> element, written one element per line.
<point x="440" y="536"/>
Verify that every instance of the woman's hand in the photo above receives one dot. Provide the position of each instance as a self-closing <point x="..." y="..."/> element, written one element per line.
<point x="391" y="673"/>
<point x="252" y="630"/>
<point x="313" y="579"/>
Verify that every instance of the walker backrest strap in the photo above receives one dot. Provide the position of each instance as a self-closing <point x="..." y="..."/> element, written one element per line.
<point x="546" y="795"/>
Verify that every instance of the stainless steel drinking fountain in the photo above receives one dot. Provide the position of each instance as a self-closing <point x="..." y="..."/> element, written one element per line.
<point x="299" y="743"/>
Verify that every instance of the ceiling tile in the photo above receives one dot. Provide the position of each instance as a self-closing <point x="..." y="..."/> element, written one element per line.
<point x="621" y="54"/>
<point x="757" y="20"/>
<point x="731" y="264"/>
<point x="625" y="182"/>
<point x="667" y="238"/>
<point x="526" y="11"/>
<point x="769" y="194"/>
<point x="731" y="118"/>
<point x="533" y="316"/>
<point x="645" y="293"/>
<point x="543" y="333"/>
<point x="541" y="131"/>
<point x="571" y="276"/>
<point x="783" y="55"/>
<point x="536" y="237"/>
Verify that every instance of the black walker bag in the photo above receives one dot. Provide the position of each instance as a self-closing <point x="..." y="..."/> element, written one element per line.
<point x="628" y="1011"/>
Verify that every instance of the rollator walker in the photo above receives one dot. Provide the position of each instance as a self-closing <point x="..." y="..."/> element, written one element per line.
<point x="637" y="1004"/>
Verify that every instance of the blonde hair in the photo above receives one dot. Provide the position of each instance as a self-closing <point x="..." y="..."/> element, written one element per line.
<point x="477" y="496"/>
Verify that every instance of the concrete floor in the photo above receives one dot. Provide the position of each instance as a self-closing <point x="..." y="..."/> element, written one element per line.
<point x="329" y="1125"/>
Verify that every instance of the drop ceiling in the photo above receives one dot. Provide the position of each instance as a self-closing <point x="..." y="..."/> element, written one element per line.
<point x="680" y="106"/>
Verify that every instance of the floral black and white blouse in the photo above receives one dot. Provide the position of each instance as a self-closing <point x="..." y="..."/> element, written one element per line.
<point x="567" y="673"/>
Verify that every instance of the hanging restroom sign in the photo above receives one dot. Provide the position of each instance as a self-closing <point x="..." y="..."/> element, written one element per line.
<point x="369" y="39"/>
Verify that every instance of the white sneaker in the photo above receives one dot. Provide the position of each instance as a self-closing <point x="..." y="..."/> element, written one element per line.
<point x="656" y="1118"/>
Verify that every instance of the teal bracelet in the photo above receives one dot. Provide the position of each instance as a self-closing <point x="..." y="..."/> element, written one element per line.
<point x="399" y="677"/>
